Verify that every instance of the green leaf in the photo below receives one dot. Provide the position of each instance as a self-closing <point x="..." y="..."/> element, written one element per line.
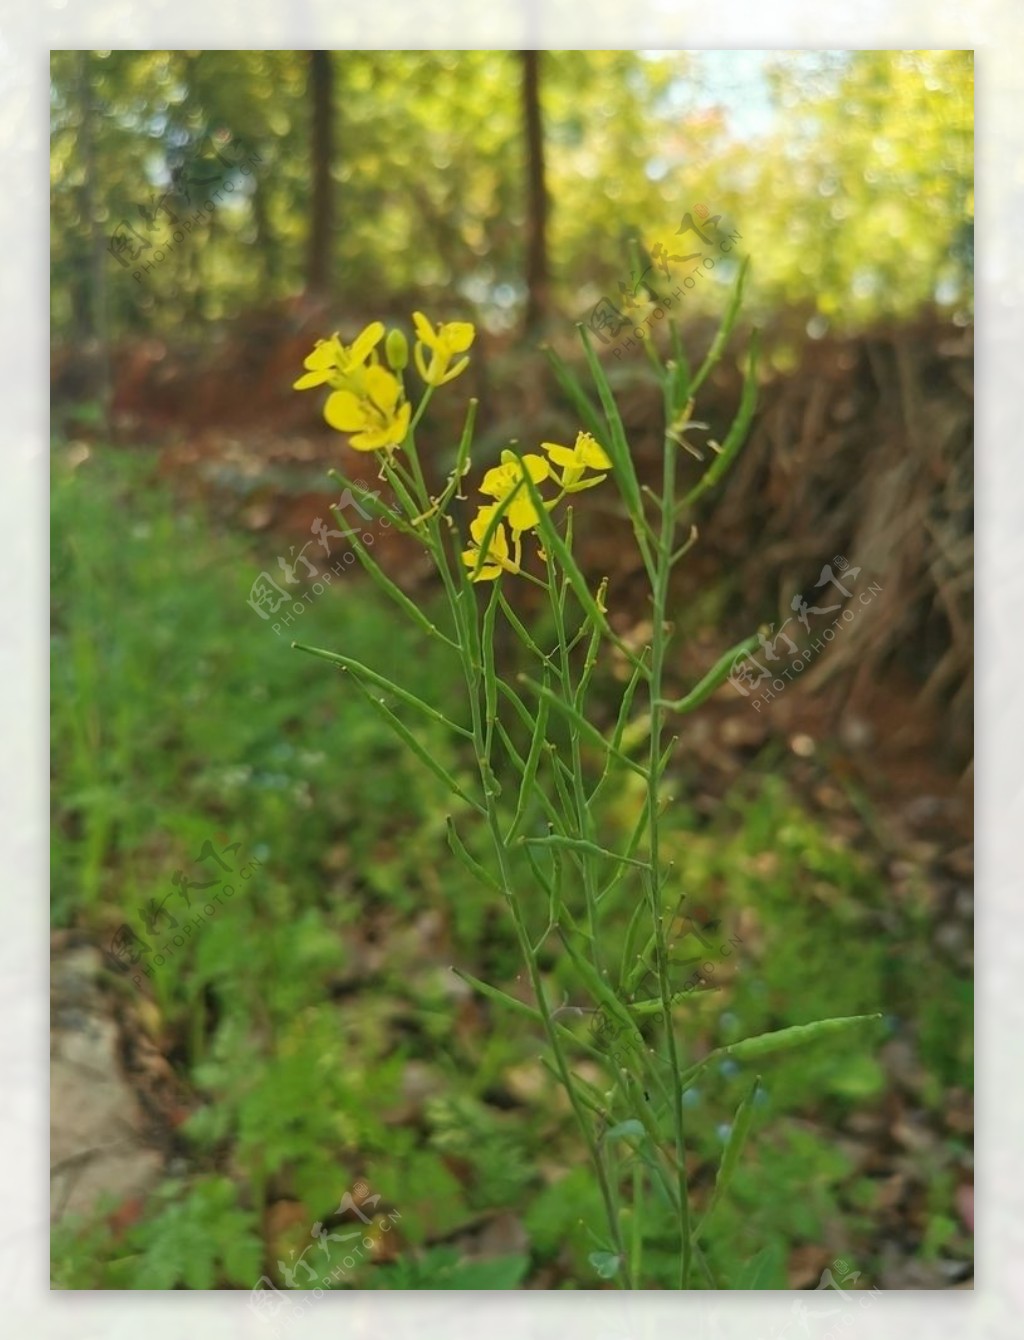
<point x="617" y="446"/>
<point x="381" y="681"/>
<point x="766" y="1270"/>
<point x="581" y="724"/>
<point x="595" y="983"/>
<point x="501" y="997"/>
<point x="605" y="1263"/>
<point x="198" y="1270"/>
<point x="503" y="1272"/>
<point x="406" y="735"/>
<point x="716" y="676"/>
<point x="442" y="1268"/>
<point x="242" y="1257"/>
<point x="733" y="1149"/>
<point x="557" y="547"/>
<point x="529" y="776"/>
<point x="858" y="1078"/>
<point x="736" y="435"/>
<point x="474" y="867"/>
<point x="724" y="330"/>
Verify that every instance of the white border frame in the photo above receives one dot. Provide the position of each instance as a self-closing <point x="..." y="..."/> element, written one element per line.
<point x="995" y="31"/>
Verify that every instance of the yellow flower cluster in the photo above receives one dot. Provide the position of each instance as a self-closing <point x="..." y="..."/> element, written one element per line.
<point x="508" y="479"/>
<point x="368" y="400"/>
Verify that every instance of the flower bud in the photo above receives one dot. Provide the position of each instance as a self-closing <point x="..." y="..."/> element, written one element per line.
<point x="396" y="346"/>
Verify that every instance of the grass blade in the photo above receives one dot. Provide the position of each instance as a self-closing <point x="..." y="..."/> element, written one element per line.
<point x="363" y="672"/>
<point x="731" y="1154"/>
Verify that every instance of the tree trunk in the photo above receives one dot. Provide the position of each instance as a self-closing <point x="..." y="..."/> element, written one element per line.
<point x="321" y="84"/>
<point x="266" y="242"/>
<point x="536" y="196"/>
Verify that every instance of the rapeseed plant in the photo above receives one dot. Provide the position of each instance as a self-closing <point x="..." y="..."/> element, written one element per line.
<point x="522" y="530"/>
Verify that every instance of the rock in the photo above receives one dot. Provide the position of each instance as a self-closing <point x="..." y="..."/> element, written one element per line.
<point x="98" y="1145"/>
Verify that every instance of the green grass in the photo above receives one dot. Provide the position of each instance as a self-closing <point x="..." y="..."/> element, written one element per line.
<point x="295" y="1012"/>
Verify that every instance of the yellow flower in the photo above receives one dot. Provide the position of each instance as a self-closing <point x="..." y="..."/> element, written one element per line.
<point x="496" y="560"/>
<point x="374" y="415"/>
<point x="333" y="364"/>
<point x="502" y="479"/>
<point x="454" y="337"/>
<point x="585" y="455"/>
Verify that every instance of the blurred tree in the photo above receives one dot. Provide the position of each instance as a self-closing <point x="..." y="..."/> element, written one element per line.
<point x="865" y="191"/>
<point x="536" y="193"/>
<point x="321" y="84"/>
<point x="849" y="175"/>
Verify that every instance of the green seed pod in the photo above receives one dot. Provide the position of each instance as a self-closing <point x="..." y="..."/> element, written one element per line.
<point x="785" y="1039"/>
<point x="396" y="346"/>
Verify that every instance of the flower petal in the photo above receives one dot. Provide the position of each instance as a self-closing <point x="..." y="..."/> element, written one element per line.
<point x="522" y="515"/>
<point x="383" y="388"/>
<point x="496" y="482"/>
<point x="591" y="453"/>
<point x="537" y="466"/>
<point x="365" y="342"/>
<point x="458" y="335"/>
<point x="309" y="379"/>
<point x="563" y="456"/>
<point x="424" y="330"/>
<point x="373" y="439"/>
<point x="401" y="423"/>
<point x="498" y="547"/>
<point x="345" y="412"/>
<point x="325" y="355"/>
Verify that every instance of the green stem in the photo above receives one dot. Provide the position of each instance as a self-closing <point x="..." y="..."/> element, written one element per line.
<point x="579" y="795"/>
<point x="638" y="1228"/>
<point x="663" y="567"/>
<point x="465" y="616"/>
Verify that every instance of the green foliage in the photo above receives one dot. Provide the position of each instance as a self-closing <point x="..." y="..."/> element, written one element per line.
<point x="430" y="1198"/>
<point x="443" y="1268"/>
<point x="557" y="1216"/>
<point x="199" y="1240"/>
<point x="162" y="672"/>
<point x="80" y="1250"/>
<point x="196" y="1236"/>
<point x="763" y="1215"/>
<point x="171" y="599"/>
<point x="313" y="1098"/>
<point x="765" y="1270"/>
<point x="493" y="1147"/>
